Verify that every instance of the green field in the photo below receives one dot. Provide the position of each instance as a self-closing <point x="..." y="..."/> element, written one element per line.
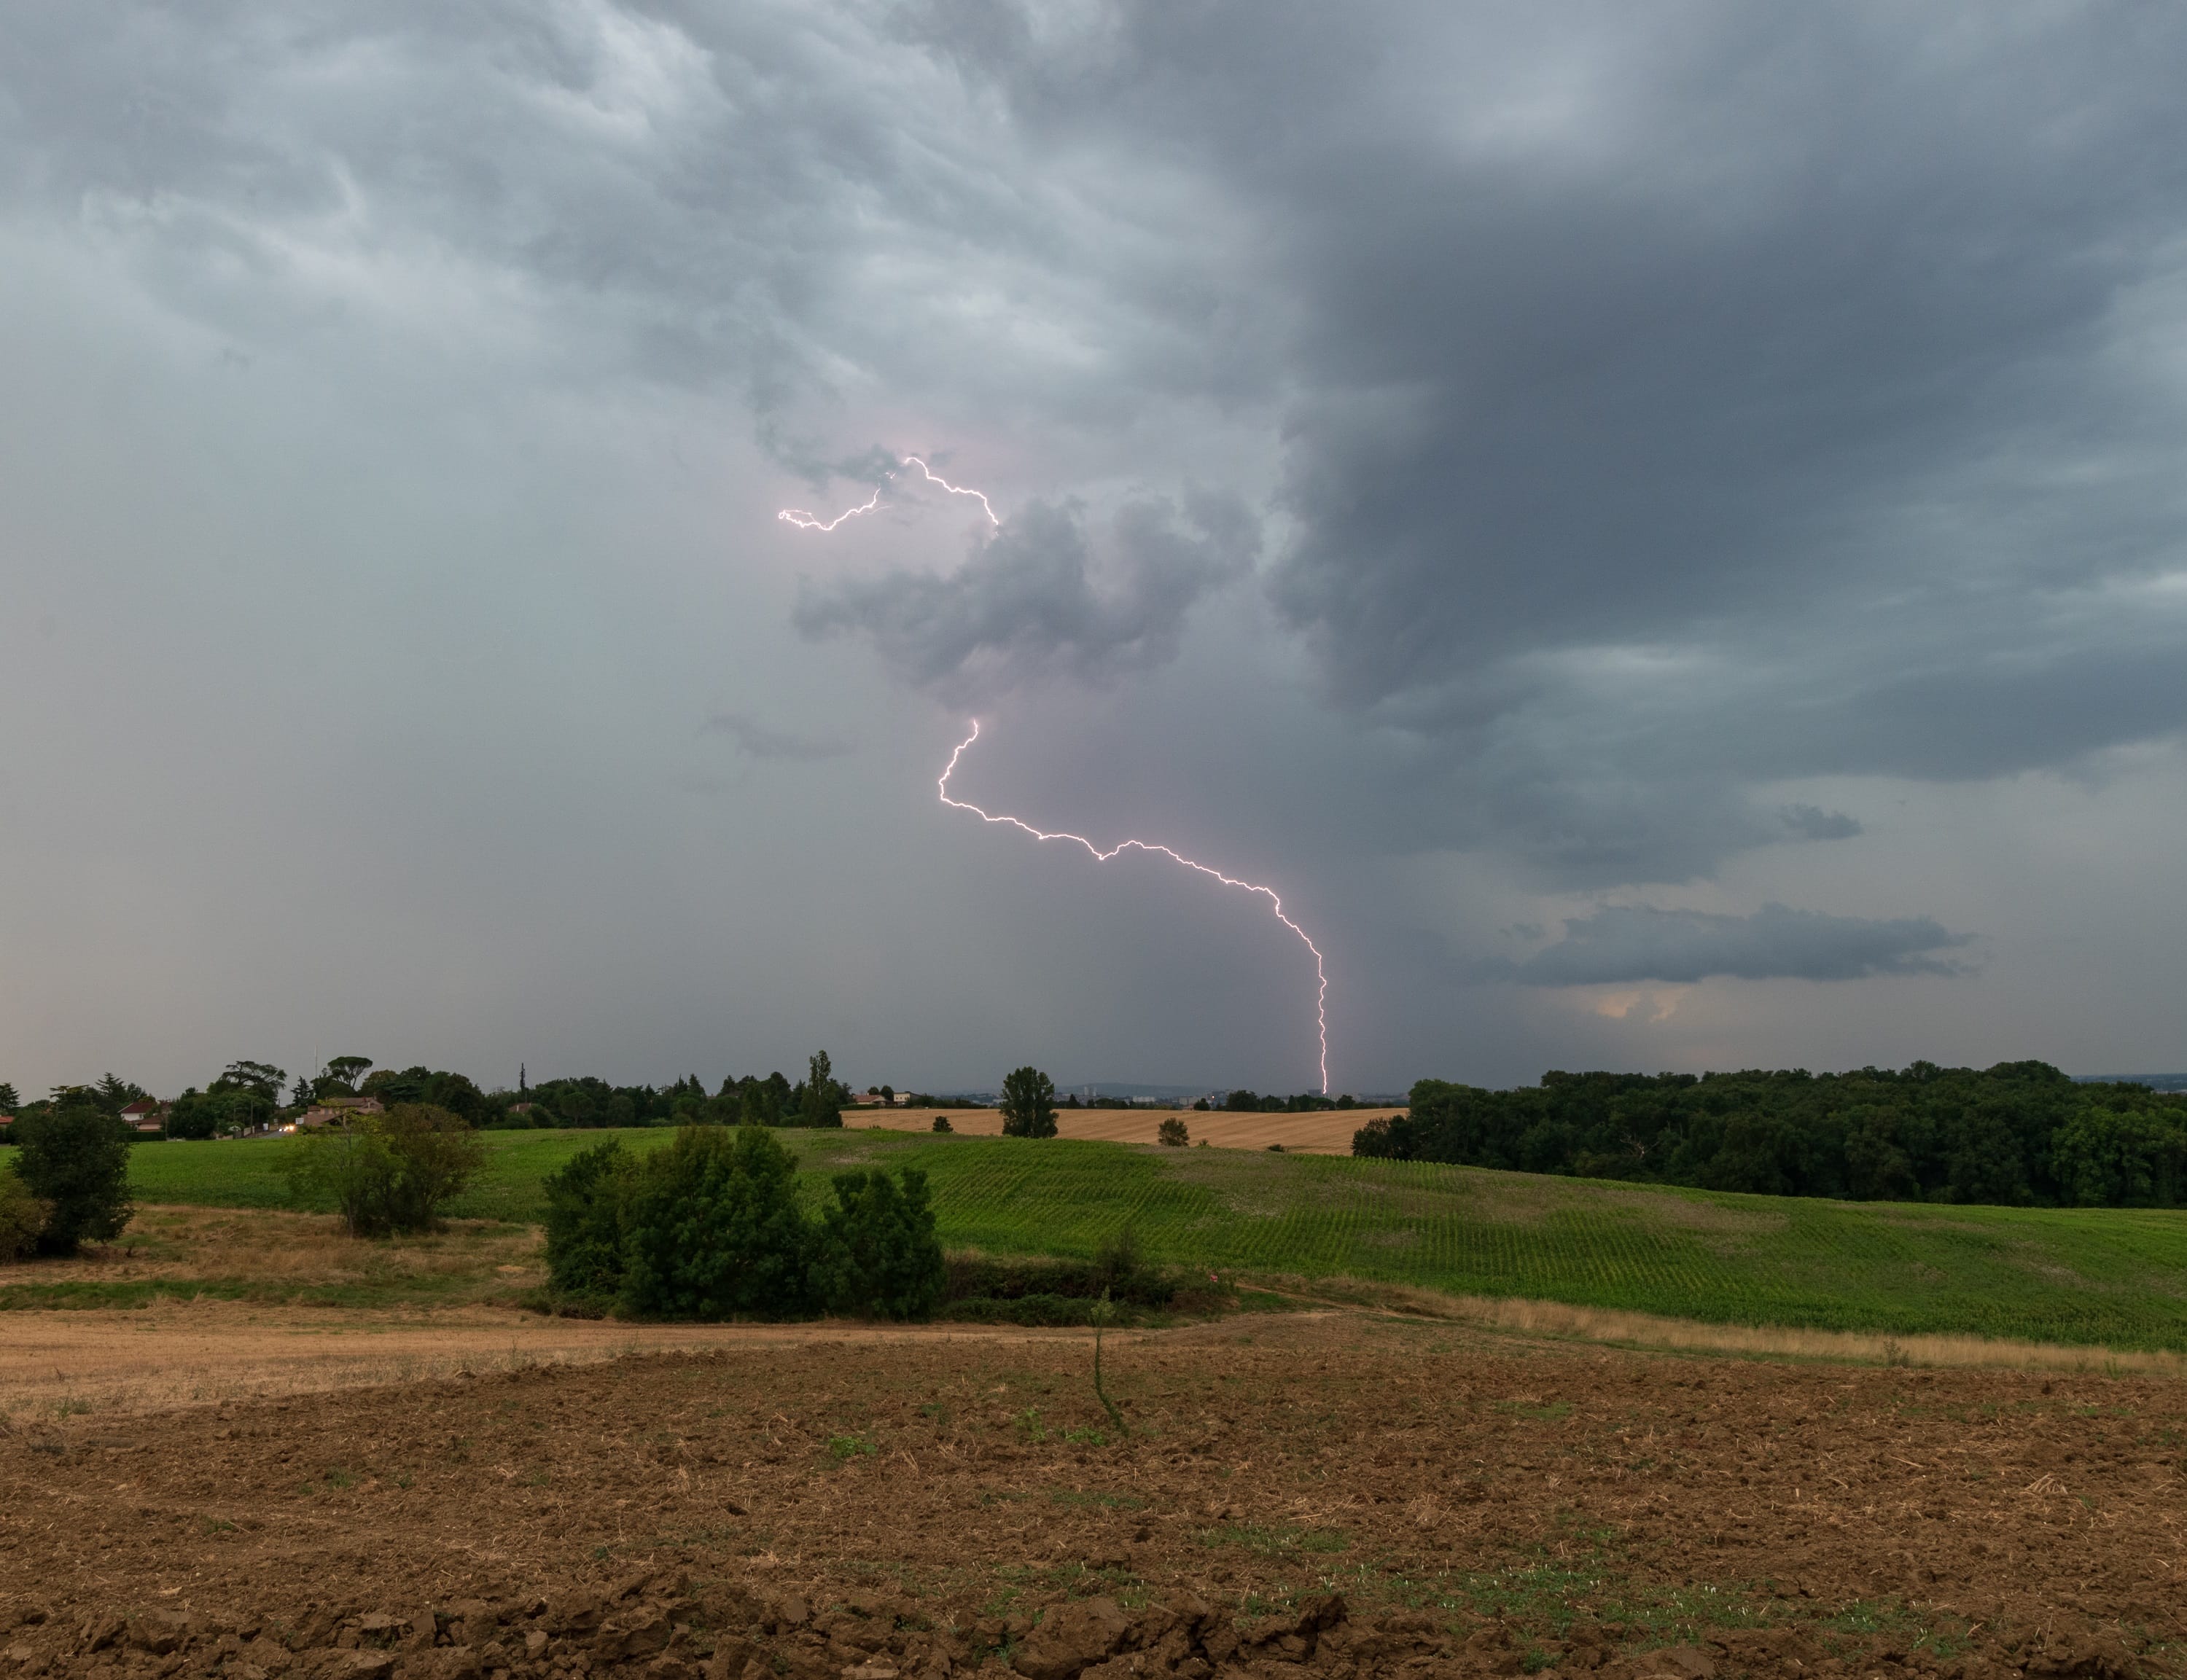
<point x="2080" y="1276"/>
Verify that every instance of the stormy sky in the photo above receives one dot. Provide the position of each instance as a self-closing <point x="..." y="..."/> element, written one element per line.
<point x="1658" y="531"/>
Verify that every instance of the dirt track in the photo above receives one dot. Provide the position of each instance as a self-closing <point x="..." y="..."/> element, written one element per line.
<point x="177" y="1353"/>
<point x="817" y="1503"/>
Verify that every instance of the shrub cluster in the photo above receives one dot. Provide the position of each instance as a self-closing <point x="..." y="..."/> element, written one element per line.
<point x="390" y="1172"/>
<point x="23" y="1215"/>
<point x="72" y="1167"/>
<point x="711" y="1227"/>
<point x="985" y="1290"/>
<point x="2018" y="1133"/>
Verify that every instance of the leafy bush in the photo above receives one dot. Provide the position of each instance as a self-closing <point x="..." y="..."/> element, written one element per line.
<point x="878" y="1251"/>
<point x="22" y="1214"/>
<point x="979" y="1277"/>
<point x="392" y="1172"/>
<point x="75" y="1158"/>
<point x="712" y="1229"/>
<point x="584" y="1223"/>
<point x="1046" y="1311"/>
<point x="985" y="1290"/>
<point x="942" y="1123"/>
<point x="1172" y="1133"/>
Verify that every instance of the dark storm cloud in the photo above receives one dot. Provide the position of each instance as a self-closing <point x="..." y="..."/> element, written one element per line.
<point x="1825" y="350"/>
<point x="1648" y="408"/>
<point x="1635" y="942"/>
<point x="1031" y="603"/>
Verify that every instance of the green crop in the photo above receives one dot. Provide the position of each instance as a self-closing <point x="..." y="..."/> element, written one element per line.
<point x="2113" y="1276"/>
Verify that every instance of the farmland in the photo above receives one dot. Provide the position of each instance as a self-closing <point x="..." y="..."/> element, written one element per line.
<point x="1330" y="1497"/>
<point x="2089" y="1277"/>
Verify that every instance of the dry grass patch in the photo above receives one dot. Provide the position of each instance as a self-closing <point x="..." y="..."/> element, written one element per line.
<point x="265" y="1250"/>
<point x="1648" y="1331"/>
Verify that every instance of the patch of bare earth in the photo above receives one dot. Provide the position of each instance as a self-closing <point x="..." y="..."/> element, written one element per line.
<point x="1327" y="1495"/>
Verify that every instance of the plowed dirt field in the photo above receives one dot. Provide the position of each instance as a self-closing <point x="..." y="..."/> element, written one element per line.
<point x="1320" y="1495"/>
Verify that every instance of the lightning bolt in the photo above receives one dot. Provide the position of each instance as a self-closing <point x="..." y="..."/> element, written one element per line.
<point x="1276" y="903"/>
<point x="805" y="520"/>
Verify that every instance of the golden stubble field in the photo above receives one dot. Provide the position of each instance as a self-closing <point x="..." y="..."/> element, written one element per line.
<point x="1327" y="1133"/>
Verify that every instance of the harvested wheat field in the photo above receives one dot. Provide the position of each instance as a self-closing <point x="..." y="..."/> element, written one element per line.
<point x="1329" y="1494"/>
<point x="1326" y="1131"/>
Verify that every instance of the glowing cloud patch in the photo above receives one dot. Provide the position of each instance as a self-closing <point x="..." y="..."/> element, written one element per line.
<point x="806" y="520"/>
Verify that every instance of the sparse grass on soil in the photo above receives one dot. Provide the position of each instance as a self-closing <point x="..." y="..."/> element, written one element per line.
<point x="299" y="1259"/>
<point x="2095" y="1276"/>
<point x="1481" y="1504"/>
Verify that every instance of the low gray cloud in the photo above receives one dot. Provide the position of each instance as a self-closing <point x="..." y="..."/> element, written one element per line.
<point x="756" y="739"/>
<point x="1638" y="942"/>
<point x="1039" y="600"/>
<point x="1812" y="823"/>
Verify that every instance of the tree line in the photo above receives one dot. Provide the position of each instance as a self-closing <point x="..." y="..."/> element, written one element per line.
<point x="2017" y="1134"/>
<point x="251" y="1096"/>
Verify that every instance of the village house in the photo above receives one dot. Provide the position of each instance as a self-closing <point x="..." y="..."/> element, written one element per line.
<point x="146" y="1114"/>
<point x="336" y="1112"/>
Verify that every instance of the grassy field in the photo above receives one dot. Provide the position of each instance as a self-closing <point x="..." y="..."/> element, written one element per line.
<point x="2089" y="1277"/>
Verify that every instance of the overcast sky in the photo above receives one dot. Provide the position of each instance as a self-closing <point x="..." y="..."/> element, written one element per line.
<point x="1658" y="531"/>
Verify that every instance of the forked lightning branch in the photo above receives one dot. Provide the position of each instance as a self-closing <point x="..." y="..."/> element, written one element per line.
<point x="808" y="521"/>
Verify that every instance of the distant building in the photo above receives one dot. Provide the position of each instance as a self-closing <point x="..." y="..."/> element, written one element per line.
<point x="337" y="1111"/>
<point x="146" y="1114"/>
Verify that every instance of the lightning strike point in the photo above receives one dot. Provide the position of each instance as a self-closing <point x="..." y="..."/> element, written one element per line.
<point x="1276" y="903"/>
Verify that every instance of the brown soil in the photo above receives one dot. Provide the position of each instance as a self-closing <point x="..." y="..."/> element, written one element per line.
<point x="1327" y="1133"/>
<point x="839" y="1501"/>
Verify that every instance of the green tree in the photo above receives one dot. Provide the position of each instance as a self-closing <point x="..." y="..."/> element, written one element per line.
<point x="585" y="1221"/>
<point x="1028" y="1105"/>
<point x="261" y="1079"/>
<point x="879" y="1254"/>
<point x="1173" y="1133"/>
<point x="75" y="1157"/>
<point x="194" y="1116"/>
<point x="340" y="1076"/>
<point x="2106" y="1159"/>
<point x="113" y="1094"/>
<point x="219" y="1113"/>
<point x="9" y="1101"/>
<point x="824" y="1096"/>
<point x="392" y="1172"/>
<point x="713" y="1230"/>
<point x="453" y="1092"/>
